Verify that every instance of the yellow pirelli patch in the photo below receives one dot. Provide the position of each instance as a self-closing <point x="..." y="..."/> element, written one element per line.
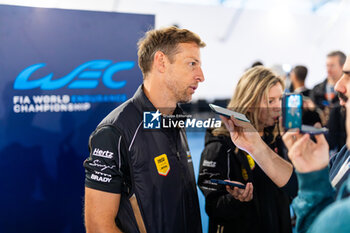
<point x="162" y="164"/>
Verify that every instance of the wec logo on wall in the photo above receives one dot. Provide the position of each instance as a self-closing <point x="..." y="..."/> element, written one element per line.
<point x="85" y="76"/>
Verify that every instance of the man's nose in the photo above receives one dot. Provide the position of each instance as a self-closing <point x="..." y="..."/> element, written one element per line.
<point x="339" y="86"/>
<point x="200" y="75"/>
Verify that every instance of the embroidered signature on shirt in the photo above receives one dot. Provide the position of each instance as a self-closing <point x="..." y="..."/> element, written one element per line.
<point x="97" y="163"/>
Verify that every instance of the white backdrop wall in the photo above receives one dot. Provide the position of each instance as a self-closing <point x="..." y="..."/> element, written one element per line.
<point x="273" y="35"/>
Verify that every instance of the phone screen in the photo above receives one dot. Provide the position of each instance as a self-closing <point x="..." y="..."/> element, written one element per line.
<point x="292" y="111"/>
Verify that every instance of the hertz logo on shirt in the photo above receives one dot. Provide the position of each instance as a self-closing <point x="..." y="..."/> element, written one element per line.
<point x="162" y="164"/>
<point x="105" y="154"/>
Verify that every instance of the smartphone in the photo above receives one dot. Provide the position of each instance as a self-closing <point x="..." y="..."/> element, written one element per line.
<point x="227" y="183"/>
<point x="228" y="113"/>
<point x="292" y="112"/>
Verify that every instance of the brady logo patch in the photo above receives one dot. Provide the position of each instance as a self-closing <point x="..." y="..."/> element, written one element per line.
<point x="105" y="154"/>
<point x="162" y="164"/>
<point x="101" y="179"/>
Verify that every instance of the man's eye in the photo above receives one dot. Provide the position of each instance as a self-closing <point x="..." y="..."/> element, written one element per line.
<point x="192" y="63"/>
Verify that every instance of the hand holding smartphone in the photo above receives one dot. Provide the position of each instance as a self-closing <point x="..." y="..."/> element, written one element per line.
<point x="223" y="182"/>
<point x="228" y="113"/>
<point x="292" y="110"/>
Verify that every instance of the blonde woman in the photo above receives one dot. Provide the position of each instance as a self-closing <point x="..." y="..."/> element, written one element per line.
<point x="263" y="206"/>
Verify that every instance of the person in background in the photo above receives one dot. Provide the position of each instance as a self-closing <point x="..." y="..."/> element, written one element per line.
<point x="325" y="97"/>
<point x="297" y="77"/>
<point x="310" y="112"/>
<point x="316" y="208"/>
<point x="263" y="206"/>
<point x="323" y="94"/>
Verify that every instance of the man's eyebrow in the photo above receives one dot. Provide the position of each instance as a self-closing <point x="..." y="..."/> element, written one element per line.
<point x="194" y="59"/>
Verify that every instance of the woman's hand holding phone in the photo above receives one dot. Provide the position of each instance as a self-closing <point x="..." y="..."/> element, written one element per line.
<point x="243" y="195"/>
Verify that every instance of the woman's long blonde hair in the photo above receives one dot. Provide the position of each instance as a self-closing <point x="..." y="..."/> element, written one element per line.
<point x="252" y="88"/>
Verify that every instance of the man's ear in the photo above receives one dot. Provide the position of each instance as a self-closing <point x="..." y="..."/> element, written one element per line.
<point x="159" y="61"/>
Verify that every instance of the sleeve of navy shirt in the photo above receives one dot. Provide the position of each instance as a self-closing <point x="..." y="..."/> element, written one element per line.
<point x="103" y="168"/>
